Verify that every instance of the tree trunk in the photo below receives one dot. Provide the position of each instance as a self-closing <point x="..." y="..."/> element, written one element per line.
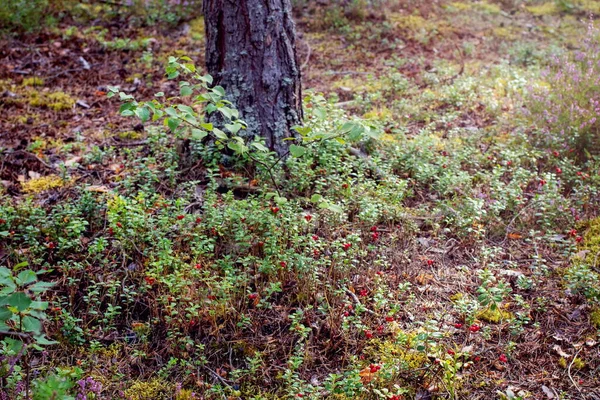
<point x="251" y="52"/>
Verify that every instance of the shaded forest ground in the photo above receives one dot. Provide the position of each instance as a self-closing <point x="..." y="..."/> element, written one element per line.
<point x="459" y="277"/>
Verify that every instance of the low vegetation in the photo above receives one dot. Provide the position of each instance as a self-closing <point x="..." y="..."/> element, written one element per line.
<point x="434" y="233"/>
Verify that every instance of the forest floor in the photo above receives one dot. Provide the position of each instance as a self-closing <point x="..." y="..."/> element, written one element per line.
<point x="470" y="272"/>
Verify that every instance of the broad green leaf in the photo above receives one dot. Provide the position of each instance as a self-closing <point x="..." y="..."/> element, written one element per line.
<point x="219" y="90"/>
<point x="31" y="324"/>
<point x="198" y="134"/>
<point x="207" y="125"/>
<point x="43" y="341"/>
<point x="220" y="134"/>
<point x="186" y="109"/>
<point x="303" y="130"/>
<point x="171" y="112"/>
<point x="20" y="265"/>
<point x="4" y="273"/>
<point x="237" y="147"/>
<point x="26" y="277"/>
<point x="40" y="305"/>
<point x="19" y="300"/>
<point x="143" y="113"/>
<point x="185" y="91"/>
<point x="320" y="113"/>
<point x="335" y="208"/>
<point x="315" y="198"/>
<point x="5" y="313"/>
<point x="233" y="128"/>
<point x="159" y="94"/>
<point x="226" y="111"/>
<point x="260" y="147"/>
<point x="40" y="287"/>
<point x="297" y="151"/>
<point x="173" y="123"/>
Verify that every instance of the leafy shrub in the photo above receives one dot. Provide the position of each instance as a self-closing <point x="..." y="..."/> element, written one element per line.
<point x="22" y="15"/>
<point x="566" y="107"/>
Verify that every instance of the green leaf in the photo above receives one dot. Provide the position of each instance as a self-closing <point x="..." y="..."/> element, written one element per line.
<point x="320" y="113"/>
<point x="335" y="208"/>
<point x="143" y="113"/>
<point x="20" y="265"/>
<point x="43" y="341"/>
<point x="297" y="151"/>
<point x="186" y="91"/>
<point x="233" y="128"/>
<point x="171" y="112"/>
<point x="31" y="324"/>
<point x="238" y="147"/>
<point x="261" y="147"/>
<point x="159" y="94"/>
<point x="40" y="287"/>
<point x="207" y="125"/>
<point x="19" y="300"/>
<point x="26" y="277"/>
<point x="302" y="130"/>
<point x="315" y="198"/>
<point x="186" y="109"/>
<point x="173" y="123"/>
<point x="220" y="134"/>
<point x="40" y="305"/>
<point x="219" y="90"/>
<point x="5" y="314"/>
<point x="198" y="134"/>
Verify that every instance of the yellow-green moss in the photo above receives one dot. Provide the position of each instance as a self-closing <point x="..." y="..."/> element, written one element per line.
<point x="591" y="240"/>
<point x="197" y="28"/>
<point x="381" y="114"/>
<point x="155" y="389"/>
<point x="42" y="184"/>
<point x="495" y="316"/>
<point x="33" y="81"/>
<point x="548" y="8"/>
<point x="595" y="318"/>
<point x="578" y="363"/>
<point x="398" y="353"/>
<point x="57" y="101"/>
<point x="185" y="394"/>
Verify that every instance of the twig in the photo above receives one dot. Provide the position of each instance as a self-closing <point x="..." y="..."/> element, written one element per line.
<point x="44" y="163"/>
<point x="307" y="56"/>
<point x="357" y="301"/>
<point x="569" y="370"/>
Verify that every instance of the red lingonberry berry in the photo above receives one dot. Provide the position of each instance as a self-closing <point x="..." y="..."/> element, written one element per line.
<point x="503" y="358"/>
<point x="362" y="292"/>
<point x="315" y="237"/>
<point x="368" y="334"/>
<point x="558" y="170"/>
<point x="308" y="217"/>
<point x="389" y="319"/>
<point x="180" y="217"/>
<point x="474" y="328"/>
<point x="458" y="325"/>
<point x="274" y="210"/>
<point x="283" y="264"/>
<point x="347" y="246"/>
<point x="451" y="352"/>
<point x="430" y="262"/>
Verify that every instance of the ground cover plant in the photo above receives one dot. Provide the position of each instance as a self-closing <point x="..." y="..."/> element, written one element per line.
<point x="434" y="234"/>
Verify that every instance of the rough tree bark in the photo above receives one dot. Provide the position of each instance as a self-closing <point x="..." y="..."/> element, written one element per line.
<point x="251" y="52"/>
